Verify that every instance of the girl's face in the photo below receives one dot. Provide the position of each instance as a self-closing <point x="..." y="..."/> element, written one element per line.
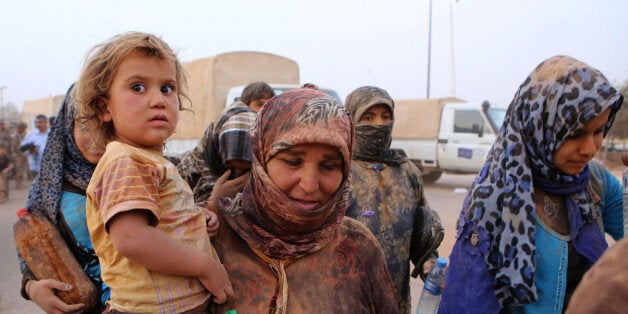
<point x="376" y="115"/>
<point x="143" y="101"/>
<point x="309" y="174"/>
<point x="580" y="148"/>
<point x="86" y="145"/>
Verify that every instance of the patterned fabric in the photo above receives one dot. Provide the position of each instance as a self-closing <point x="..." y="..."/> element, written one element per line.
<point x="233" y="135"/>
<point x="129" y="178"/>
<point x="348" y="275"/>
<point x="263" y="215"/>
<point x="387" y="196"/>
<point x="320" y="261"/>
<point x="372" y="142"/>
<point x="390" y="202"/>
<point x="223" y="140"/>
<point x="558" y="98"/>
<point x="63" y="162"/>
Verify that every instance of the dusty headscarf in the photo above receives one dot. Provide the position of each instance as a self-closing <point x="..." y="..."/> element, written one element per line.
<point x="372" y="142"/>
<point x="557" y="99"/>
<point x="228" y="142"/>
<point x="61" y="161"/>
<point x="262" y="214"/>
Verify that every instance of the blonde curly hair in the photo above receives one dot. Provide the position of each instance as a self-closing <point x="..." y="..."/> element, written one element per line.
<point x="102" y="63"/>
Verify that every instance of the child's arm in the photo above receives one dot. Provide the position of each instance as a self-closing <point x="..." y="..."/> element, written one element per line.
<point x="137" y="240"/>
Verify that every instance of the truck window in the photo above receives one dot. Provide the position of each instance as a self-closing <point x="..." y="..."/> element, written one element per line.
<point x="497" y="115"/>
<point x="469" y="121"/>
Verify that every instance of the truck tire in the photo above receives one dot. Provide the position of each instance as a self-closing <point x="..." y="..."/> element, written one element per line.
<point x="431" y="177"/>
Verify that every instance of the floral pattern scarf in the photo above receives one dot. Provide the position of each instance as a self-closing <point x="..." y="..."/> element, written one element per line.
<point x="262" y="214"/>
<point x="372" y="142"/>
<point x="557" y="99"/>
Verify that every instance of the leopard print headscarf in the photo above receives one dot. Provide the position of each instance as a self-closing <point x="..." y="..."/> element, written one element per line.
<point x="558" y="98"/>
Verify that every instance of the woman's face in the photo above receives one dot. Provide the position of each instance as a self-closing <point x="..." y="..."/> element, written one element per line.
<point x="376" y="115"/>
<point x="309" y="174"/>
<point x="580" y="148"/>
<point x="85" y="143"/>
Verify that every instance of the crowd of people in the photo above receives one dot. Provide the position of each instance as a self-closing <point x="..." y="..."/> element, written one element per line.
<point x="294" y="203"/>
<point x="20" y="153"/>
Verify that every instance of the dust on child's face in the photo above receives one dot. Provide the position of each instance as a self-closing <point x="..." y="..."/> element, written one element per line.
<point x="143" y="101"/>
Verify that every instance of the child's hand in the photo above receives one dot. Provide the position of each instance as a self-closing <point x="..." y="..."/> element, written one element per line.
<point x="212" y="223"/>
<point x="217" y="282"/>
<point x="228" y="188"/>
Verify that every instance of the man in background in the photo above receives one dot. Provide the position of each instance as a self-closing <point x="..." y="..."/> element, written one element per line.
<point x="34" y="143"/>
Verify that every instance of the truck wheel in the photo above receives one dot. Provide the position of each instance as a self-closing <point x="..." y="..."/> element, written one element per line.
<point x="431" y="177"/>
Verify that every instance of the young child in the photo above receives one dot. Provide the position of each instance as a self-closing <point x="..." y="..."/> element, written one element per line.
<point x="6" y="164"/>
<point x="148" y="234"/>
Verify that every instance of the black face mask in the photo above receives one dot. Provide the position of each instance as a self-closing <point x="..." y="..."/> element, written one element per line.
<point x="372" y="143"/>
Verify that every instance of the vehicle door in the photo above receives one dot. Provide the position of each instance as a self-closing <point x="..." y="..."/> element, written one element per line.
<point x="465" y="144"/>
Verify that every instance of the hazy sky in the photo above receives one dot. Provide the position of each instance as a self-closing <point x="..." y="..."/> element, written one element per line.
<point x="341" y="44"/>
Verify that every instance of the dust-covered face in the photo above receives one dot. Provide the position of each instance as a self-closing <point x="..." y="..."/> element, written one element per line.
<point x="309" y="174"/>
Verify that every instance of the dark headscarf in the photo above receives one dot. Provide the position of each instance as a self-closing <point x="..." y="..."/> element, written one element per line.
<point x="557" y="99"/>
<point x="61" y="161"/>
<point x="372" y="142"/>
<point x="262" y="214"/>
<point x="227" y="142"/>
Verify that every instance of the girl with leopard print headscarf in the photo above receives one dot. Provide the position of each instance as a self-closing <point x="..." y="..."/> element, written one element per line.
<point x="529" y="227"/>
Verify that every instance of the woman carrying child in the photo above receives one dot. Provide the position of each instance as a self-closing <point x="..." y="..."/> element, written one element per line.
<point x="149" y="236"/>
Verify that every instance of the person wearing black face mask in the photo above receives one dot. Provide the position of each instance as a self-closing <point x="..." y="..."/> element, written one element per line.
<point x="387" y="192"/>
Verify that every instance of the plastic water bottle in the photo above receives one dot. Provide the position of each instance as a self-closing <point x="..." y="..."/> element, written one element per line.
<point x="430" y="297"/>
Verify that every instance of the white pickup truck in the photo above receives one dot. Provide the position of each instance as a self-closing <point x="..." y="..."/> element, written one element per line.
<point x="445" y="134"/>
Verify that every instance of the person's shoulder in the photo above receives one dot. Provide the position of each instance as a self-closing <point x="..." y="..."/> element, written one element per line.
<point x="116" y="150"/>
<point x="409" y="166"/>
<point x="352" y="228"/>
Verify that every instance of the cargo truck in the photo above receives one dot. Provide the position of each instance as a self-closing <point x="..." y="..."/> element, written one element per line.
<point x="445" y="134"/>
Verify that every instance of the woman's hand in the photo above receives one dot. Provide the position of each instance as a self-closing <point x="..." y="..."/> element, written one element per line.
<point x="228" y="188"/>
<point x="42" y="292"/>
<point x="428" y="265"/>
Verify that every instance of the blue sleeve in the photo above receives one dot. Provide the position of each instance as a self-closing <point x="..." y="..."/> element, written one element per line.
<point x="613" y="211"/>
<point x="468" y="288"/>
